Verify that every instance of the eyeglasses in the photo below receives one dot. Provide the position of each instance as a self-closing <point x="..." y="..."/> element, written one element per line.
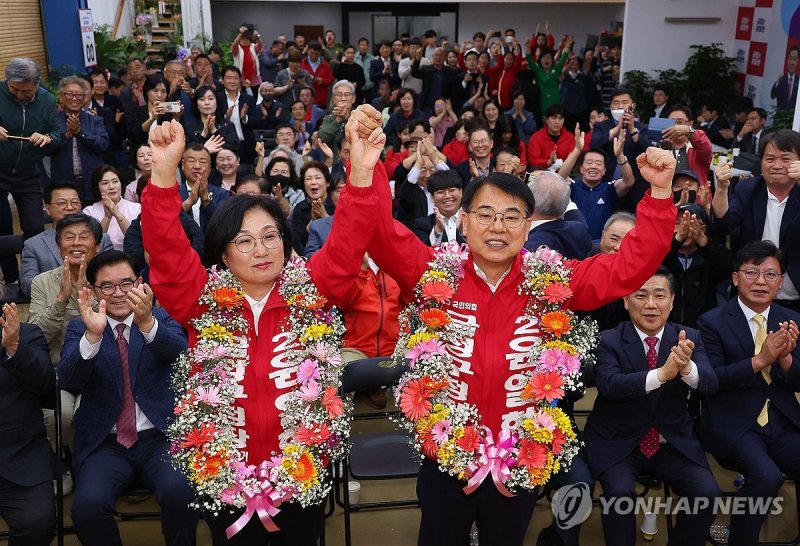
<point x="276" y="172"/>
<point x="754" y="274"/>
<point x="83" y="238"/>
<point x="484" y="142"/>
<point x="108" y="288"/>
<point x="73" y="96"/>
<point x="447" y="191"/>
<point x="342" y="95"/>
<point x="247" y="243"/>
<point x="62" y="203"/>
<point x="487" y="215"/>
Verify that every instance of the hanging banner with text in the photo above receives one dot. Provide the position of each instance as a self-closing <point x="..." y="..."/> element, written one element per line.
<point x="87" y="37"/>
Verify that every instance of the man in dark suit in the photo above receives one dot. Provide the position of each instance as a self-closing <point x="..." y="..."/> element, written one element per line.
<point x="713" y="125"/>
<point x="199" y="199"/>
<point x="445" y="223"/>
<point x="238" y="107"/>
<point x="120" y="357"/>
<point x="385" y="66"/>
<point x="784" y="90"/>
<point x="661" y="103"/>
<point x="640" y="422"/>
<point x="636" y="141"/>
<point x="767" y="207"/>
<point x="554" y="226"/>
<point x="481" y="161"/>
<point x="752" y="425"/>
<point x="26" y="460"/>
<point x="85" y="137"/>
<point x="748" y="139"/>
<point x="437" y="80"/>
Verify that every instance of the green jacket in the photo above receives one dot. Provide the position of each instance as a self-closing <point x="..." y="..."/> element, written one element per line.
<point x="330" y="132"/>
<point x="38" y="116"/>
<point x="547" y="80"/>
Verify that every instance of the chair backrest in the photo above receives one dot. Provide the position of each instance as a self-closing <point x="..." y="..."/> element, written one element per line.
<point x="10" y="245"/>
<point x="371" y="373"/>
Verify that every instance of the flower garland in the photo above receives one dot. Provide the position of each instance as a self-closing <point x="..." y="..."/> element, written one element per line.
<point x="315" y="421"/>
<point x="542" y="442"/>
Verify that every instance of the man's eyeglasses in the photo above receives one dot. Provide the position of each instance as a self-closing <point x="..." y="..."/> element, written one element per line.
<point x="247" y="243"/>
<point x="754" y="274"/>
<point x="73" y="96"/>
<point x="62" y="203"/>
<point x="342" y="95"/>
<point x="108" y="288"/>
<point x="487" y="215"/>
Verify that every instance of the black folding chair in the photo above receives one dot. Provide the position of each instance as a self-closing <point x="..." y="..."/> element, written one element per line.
<point x="11" y="245"/>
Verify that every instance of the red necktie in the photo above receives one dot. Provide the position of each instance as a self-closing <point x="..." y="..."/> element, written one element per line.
<point x="648" y="445"/>
<point x="126" y="421"/>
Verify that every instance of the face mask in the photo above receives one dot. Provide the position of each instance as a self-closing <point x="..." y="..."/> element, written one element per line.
<point x="279" y="179"/>
<point x="676" y="196"/>
<point x="617" y="114"/>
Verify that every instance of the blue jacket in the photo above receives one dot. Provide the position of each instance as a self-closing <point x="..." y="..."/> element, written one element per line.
<point x="742" y="393"/>
<point x="100" y="379"/>
<point x="92" y="141"/>
<point x="569" y="236"/>
<point x="624" y="412"/>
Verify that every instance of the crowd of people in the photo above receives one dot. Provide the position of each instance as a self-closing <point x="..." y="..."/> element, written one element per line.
<point x="133" y="190"/>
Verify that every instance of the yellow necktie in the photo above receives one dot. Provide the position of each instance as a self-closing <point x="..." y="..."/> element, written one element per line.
<point x="761" y="336"/>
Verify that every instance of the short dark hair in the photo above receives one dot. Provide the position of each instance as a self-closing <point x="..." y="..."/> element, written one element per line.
<point x="441" y="180"/>
<point x="216" y="49"/>
<point x="684" y="109"/>
<point x="480" y="35"/>
<point x="756" y="252"/>
<point x="598" y="151"/>
<point x="784" y="140"/>
<point x="474" y="128"/>
<point x="662" y="87"/>
<point x="263" y="185"/>
<point x="711" y="106"/>
<point x="107" y="259"/>
<point x="742" y="104"/>
<point x="554" y="110"/>
<point x="318" y="166"/>
<point x="151" y="82"/>
<point x="430" y="34"/>
<point x="619" y="91"/>
<point x="80" y="218"/>
<point x="97" y="175"/>
<point x="229" y="68"/>
<point x="284" y="125"/>
<point x="97" y="71"/>
<point x="61" y="185"/>
<point x="760" y="111"/>
<point x="362" y="39"/>
<point x="315" y="45"/>
<point x="507" y="183"/>
<point x="227" y="221"/>
<point x="195" y="146"/>
<point x="664" y="272"/>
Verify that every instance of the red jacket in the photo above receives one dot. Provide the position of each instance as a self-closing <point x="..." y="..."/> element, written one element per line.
<point x="502" y="80"/>
<point x="371" y="315"/>
<point x="178" y="278"/>
<point x="488" y="367"/>
<point x="540" y="146"/>
<point x="699" y="155"/>
<point x="325" y="74"/>
<point x="456" y="151"/>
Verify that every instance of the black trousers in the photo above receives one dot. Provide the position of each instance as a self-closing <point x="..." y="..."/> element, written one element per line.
<point x="448" y="513"/>
<point x="30" y="513"/>
<point x="27" y="193"/>
<point x="297" y="526"/>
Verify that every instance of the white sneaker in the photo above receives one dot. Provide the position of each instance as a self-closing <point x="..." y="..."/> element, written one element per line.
<point x="66" y="484"/>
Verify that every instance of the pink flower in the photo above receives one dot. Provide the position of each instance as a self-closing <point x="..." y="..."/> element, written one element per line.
<point x="310" y="391"/>
<point x="209" y="395"/>
<point x="324" y="355"/>
<point x="572" y="364"/>
<point x="229" y="494"/>
<point x="202" y="353"/>
<point x="549" y="256"/>
<point x="441" y="431"/>
<point x="544" y="420"/>
<point x="425" y="349"/>
<point x="306" y="371"/>
<point x="550" y="360"/>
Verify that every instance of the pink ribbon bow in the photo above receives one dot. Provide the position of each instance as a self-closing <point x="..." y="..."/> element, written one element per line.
<point x="265" y="504"/>
<point x="495" y="459"/>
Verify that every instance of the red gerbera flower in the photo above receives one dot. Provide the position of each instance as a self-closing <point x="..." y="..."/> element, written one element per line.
<point x="532" y="454"/>
<point x="546" y="386"/>
<point x="332" y="403"/>
<point x="559" y="441"/>
<point x="415" y="400"/>
<point x="471" y="439"/>
<point x="429" y="449"/>
<point x="437" y="290"/>
<point x="318" y="434"/>
<point x="227" y="298"/>
<point x="434" y="318"/>
<point x="556" y="292"/>
<point x="199" y="436"/>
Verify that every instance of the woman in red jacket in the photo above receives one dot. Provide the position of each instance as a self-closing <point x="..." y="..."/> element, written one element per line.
<point x="248" y="320"/>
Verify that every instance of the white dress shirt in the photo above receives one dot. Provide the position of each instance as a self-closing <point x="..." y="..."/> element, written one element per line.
<point x="449" y="228"/>
<point x="90" y="350"/>
<point x="772" y="232"/>
<point x="651" y="382"/>
<point x="257" y="306"/>
<point x="749" y="314"/>
<point x="235" y="117"/>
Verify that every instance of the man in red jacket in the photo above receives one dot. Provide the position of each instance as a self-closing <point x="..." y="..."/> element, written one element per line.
<point x="321" y="73"/>
<point x="487" y="296"/>
<point x="550" y="143"/>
